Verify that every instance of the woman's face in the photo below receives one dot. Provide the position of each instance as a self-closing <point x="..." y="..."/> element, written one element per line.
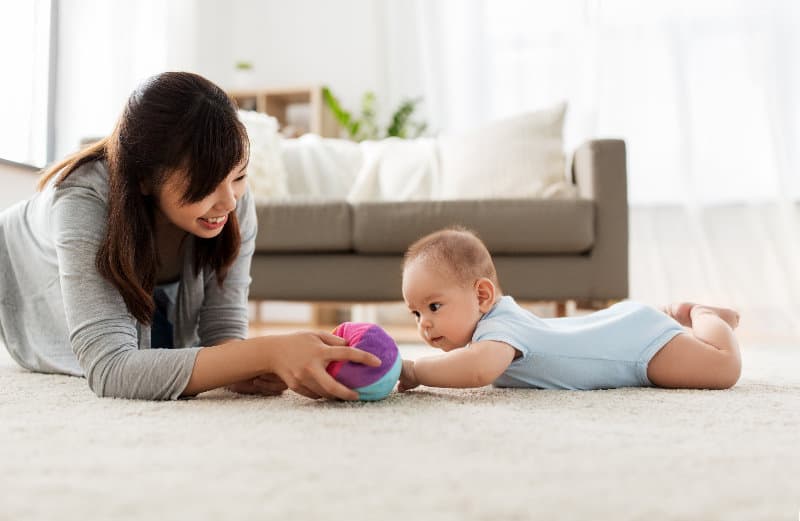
<point x="205" y="218"/>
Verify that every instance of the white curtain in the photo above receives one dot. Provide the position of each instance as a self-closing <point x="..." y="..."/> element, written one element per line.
<point x="706" y="93"/>
<point x="106" y="48"/>
<point x="25" y="59"/>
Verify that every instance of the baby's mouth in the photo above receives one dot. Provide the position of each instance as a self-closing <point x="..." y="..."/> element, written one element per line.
<point x="436" y="339"/>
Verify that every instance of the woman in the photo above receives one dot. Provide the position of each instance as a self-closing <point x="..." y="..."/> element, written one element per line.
<point x="144" y="241"/>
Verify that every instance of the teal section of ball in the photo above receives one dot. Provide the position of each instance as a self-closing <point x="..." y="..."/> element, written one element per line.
<point x="381" y="389"/>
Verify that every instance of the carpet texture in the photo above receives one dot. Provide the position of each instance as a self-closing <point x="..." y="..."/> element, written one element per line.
<point x="431" y="454"/>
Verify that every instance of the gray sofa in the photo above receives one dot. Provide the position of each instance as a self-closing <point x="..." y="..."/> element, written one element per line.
<point x="544" y="249"/>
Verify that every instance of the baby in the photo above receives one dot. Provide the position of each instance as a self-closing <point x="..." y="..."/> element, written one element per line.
<point x="450" y="286"/>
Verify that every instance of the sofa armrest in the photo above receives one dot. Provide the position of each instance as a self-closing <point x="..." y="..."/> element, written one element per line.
<point x="599" y="170"/>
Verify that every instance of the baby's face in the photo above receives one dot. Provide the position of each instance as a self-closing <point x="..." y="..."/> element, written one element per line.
<point x="446" y="312"/>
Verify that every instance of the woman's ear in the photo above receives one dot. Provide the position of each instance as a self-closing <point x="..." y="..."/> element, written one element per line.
<point x="485" y="290"/>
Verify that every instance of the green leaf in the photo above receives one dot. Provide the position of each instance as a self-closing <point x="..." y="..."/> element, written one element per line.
<point x="366" y="125"/>
<point x="342" y="116"/>
<point x="401" y="117"/>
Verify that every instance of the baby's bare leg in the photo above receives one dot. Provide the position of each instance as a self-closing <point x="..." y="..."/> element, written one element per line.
<point x="681" y="312"/>
<point x="706" y="358"/>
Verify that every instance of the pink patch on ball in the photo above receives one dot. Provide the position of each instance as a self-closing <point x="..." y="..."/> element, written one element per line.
<point x="372" y="339"/>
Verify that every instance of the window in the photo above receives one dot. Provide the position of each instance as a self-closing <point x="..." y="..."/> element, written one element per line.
<point x="26" y="33"/>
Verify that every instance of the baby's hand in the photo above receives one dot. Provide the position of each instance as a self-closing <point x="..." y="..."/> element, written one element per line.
<point x="408" y="377"/>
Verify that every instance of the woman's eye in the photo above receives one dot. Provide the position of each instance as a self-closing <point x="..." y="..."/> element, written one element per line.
<point x="434" y="306"/>
<point x="240" y="178"/>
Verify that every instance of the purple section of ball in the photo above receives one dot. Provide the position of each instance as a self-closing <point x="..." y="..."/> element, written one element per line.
<point x="376" y="341"/>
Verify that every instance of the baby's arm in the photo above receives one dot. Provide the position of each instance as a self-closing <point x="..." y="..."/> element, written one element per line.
<point x="475" y="366"/>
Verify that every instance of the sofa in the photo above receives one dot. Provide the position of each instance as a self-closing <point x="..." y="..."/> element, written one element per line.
<point x="571" y="249"/>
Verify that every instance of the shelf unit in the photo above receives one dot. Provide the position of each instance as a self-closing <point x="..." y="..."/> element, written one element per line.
<point x="278" y="103"/>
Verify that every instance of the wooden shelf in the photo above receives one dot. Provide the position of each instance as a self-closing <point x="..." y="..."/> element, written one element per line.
<point x="278" y="102"/>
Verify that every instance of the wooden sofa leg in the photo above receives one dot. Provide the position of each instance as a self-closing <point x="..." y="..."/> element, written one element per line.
<point x="561" y="308"/>
<point x="596" y="304"/>
<point x="327" y="316"/>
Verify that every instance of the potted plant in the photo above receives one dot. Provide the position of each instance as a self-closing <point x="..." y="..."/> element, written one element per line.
<point x="243" y="74"/>
<point x="365" y="125"/>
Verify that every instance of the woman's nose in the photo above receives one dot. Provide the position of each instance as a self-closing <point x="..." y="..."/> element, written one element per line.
<point x="226" y="199"/>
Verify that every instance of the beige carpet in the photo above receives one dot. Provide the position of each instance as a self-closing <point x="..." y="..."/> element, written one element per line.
<point x="428" y="455"/>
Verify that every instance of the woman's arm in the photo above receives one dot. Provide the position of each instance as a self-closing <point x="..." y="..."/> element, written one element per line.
<point x="299" y="359"/>
<point x="102" y="333"/>
<point x="477" y="365"/>
<point x="105" y="340"/>
<point x="263" y="384"/>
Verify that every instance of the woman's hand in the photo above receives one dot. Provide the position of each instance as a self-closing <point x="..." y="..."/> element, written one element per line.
<point x="266" y="385"/>
<point x="408" y="377"/>
<point x="300" y="359"/>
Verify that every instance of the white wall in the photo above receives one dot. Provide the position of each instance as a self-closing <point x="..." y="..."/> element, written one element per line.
<point x="18" y="184"/>
<point x="349" y="45"/>
<point x="107" y="48"/>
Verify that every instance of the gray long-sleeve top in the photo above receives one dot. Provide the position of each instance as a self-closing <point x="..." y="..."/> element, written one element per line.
<point x="59" y="315"/>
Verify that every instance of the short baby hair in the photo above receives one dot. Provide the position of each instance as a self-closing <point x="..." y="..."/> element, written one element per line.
<point x="458" y="250"/>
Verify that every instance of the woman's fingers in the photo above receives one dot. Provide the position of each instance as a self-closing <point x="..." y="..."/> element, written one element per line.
<point x="270" y="386"/>
<point x="246" y="387"/>
<point x="331" y="339"/>
<point x="271" y="379"/>
<point x="301" y="389"/>
<point x="334" y="389"/>
<point x="307" y="384"/>
<point x="352" y="354"/>
<point x="320" y="384"/>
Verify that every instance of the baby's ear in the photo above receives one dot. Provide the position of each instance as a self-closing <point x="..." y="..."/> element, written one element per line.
<point x="485" y="290"/>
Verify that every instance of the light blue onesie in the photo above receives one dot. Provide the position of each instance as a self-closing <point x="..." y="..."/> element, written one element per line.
<point x="607" y="349"/>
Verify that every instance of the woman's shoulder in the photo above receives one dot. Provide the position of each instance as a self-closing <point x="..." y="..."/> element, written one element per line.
<point x="246" y="213"/>
<point x="91" y="176"/>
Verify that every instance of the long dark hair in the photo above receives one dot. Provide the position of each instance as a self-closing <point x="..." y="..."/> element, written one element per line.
<point x="174" y="121"/>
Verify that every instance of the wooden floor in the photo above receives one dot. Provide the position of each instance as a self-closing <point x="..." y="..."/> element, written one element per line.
<point x="394" y="318"/>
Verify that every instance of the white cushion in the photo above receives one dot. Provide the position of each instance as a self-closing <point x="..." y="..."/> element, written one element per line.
<point x="265" y="173"/>
<point x="522" y="156"/>
<point x="320" y="167"/>
<point x="396" y="169"/>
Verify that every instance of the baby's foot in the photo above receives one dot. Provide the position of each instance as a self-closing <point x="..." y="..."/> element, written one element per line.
<point x="731" y="316"/>
<point x="682" y="313"/>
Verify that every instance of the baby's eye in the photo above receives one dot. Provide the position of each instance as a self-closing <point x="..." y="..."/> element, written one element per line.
<point x="434" y="306"/>
<point x="416" y="314"/>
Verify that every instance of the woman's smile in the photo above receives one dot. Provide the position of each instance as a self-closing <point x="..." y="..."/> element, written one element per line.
<point x="213" y="223"/>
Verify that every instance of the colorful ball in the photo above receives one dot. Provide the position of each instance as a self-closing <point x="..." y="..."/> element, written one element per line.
<point x="371" y="383"/>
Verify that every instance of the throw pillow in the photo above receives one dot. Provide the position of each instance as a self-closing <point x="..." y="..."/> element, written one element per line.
<point x="320" y="168"/>
<point x="265" y="173"/>
<point x="522" y="156"/>
<point x="395" y="169"/>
